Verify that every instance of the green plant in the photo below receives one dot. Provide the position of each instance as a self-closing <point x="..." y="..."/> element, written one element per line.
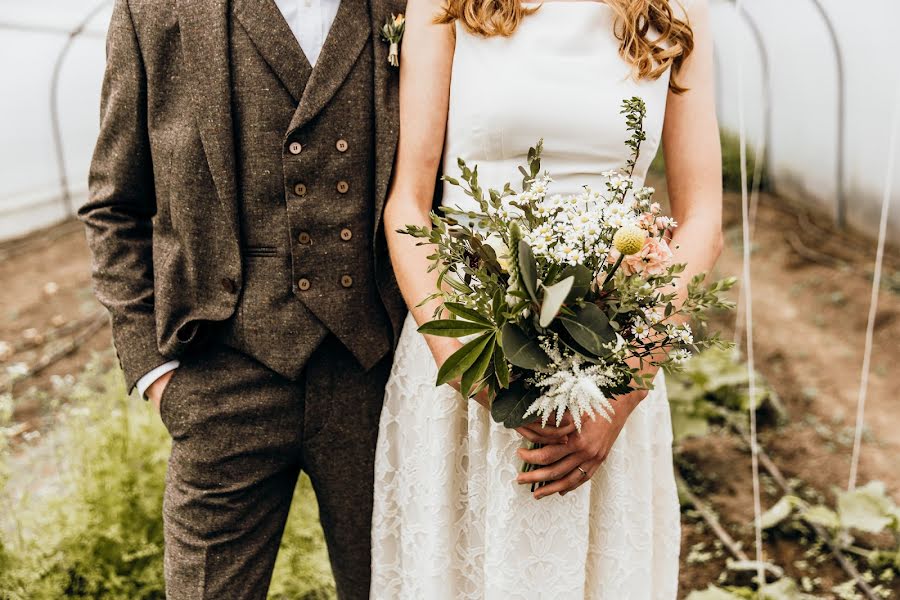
<point x="99" y="533"/>
<point x="867" y="513"/>
<point x="714" y="387"/>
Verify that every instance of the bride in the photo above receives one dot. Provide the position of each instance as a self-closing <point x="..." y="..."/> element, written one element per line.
<point x="484" y="80"/>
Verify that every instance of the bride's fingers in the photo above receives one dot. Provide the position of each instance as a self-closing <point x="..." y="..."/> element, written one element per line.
<point x="564" y="428"/>
<point x="546" y="455"/>
<point x="551" y="472"/>
<point x="536" y="438"/>
<point x="570" y="482"/>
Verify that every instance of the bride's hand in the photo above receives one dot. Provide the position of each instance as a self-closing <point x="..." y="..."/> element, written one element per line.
<point x="567" y="466"/>
<point x="534" y="432"/>
<point x="551" y="434"/>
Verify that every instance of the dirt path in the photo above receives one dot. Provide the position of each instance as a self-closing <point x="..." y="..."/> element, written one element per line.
<point x="45" y="295"/>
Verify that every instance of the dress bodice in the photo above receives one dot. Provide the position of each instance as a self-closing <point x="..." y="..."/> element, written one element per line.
<point x="558" y="77"/>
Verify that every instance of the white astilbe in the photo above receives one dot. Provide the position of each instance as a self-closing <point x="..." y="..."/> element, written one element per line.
<point x="574" y="385"/>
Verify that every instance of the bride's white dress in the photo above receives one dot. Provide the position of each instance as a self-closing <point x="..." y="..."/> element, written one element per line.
<point x="449" y="520"/>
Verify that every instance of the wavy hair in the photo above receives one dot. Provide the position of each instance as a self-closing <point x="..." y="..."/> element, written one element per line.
<point x="652" y="38"/>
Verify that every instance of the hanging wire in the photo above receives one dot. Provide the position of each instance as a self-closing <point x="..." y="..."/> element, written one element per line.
<point x="748" y="317"/>
<point x="761" y="152"/>
<point x="876" y="288"/>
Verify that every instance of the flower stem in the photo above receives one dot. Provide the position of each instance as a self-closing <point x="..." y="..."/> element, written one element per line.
<point x="526" y="467"/>
<point x="613" y="270"/>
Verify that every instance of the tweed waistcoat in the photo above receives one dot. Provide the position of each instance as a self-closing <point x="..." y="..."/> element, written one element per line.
<point x="305" y="189"/>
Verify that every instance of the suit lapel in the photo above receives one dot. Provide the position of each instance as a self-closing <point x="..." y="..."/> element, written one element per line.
<point x="387" y="107"/>
<point x="273" y="38"/>
<point x="348" y="36"/>
<point x="204" y="36"/>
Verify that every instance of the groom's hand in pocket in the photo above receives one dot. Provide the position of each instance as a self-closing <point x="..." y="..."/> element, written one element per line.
<point x="156" y="389"/>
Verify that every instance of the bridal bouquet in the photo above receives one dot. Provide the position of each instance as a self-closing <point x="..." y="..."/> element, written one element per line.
<point x="562" y="300"/>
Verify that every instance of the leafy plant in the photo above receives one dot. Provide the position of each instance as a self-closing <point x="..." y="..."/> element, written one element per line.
<point x="865" y="510"/>
<point x="714" y="387"/>
<point x="99" y="533"/>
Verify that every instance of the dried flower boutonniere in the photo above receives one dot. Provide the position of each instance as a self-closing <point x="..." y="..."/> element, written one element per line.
<point x="392" y="33"/>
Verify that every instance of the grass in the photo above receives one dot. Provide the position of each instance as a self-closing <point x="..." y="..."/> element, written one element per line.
<point x="93" y="528"/>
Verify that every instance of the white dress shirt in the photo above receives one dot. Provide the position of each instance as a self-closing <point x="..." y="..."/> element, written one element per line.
<point x="310" y="20"/>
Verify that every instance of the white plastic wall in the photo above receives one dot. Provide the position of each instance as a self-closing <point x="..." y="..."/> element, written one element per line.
<point x="32" y="33"/>
<point x="804" y="156"/>
<point x="803" y="148"/>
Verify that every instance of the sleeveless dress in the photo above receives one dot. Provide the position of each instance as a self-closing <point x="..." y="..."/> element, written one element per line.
<point x="449" y="520"/>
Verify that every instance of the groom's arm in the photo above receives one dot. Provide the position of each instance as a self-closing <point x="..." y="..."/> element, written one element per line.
<point x="118" y="214"/>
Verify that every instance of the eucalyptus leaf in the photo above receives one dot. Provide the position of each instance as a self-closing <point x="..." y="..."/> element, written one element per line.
<point x="554" y="297"/>
<point x="582" y="281"/>
<point x="590" y="328"/>
<point x="453" y="328"/>
<point x="523" y="351"/>
<point x="462" y="359"/>
<point x="510" y="405"/>
<point x="528" y="269"/>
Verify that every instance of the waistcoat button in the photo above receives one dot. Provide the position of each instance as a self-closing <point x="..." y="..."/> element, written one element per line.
<point x="342" y="187"/>
<point x="342" y="145"/>
<point x="346" y="281"/>
<point x="229" y="285"/>
<point x="295" y="148"/>
<point x="304" y="238"/>
<point x="300" y="189"/>
<point x="303" y="284"/>
<point x="346" y="234"/>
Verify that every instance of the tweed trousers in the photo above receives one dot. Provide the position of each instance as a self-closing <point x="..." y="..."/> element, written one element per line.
<point x="241" y="436"/>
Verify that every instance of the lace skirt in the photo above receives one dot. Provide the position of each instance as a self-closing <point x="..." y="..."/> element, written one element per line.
<point x="451" y="522"/>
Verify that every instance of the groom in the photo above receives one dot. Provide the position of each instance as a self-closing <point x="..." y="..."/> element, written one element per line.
<point x="235" y="221"/>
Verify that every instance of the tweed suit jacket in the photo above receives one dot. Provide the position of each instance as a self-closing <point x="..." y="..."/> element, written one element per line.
<point x="162" y="214"/>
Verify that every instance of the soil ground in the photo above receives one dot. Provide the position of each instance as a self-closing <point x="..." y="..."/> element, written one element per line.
<point x="811" y="289"/>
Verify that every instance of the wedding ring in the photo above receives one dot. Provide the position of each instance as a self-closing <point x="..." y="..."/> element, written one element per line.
<point x="583" y="472"/>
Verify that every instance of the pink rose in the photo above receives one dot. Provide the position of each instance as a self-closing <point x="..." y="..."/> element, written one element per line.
<point x="653" y="259"/>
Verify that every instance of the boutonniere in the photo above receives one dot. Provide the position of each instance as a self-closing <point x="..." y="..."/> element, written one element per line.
<point x="392" y="33"/>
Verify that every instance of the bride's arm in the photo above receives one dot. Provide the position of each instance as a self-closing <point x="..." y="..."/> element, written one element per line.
<point x="694" y="174"/>
<point x="694" y="156"/>
<point x="424" y="97"/>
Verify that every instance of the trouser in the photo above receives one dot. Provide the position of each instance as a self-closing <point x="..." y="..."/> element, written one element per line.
<point x="241" y="436"/>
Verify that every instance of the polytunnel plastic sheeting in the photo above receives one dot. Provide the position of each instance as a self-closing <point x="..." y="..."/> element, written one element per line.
<point x="33" y="34"/>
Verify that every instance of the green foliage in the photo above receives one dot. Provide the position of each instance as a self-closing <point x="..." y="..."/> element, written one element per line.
<point x="867" y="510"/>
<point x="96" y="531"/>
<point x="783" y="589"/>
<point x="714" y="386"/>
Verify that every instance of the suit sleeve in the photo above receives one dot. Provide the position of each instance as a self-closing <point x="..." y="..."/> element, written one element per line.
<point x="121" y="204"/>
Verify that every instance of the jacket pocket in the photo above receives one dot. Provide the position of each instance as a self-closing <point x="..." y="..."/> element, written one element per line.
<point x="260" y="251"/>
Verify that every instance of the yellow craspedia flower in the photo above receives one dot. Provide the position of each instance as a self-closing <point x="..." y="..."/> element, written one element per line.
<point x="629" y="239"/>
